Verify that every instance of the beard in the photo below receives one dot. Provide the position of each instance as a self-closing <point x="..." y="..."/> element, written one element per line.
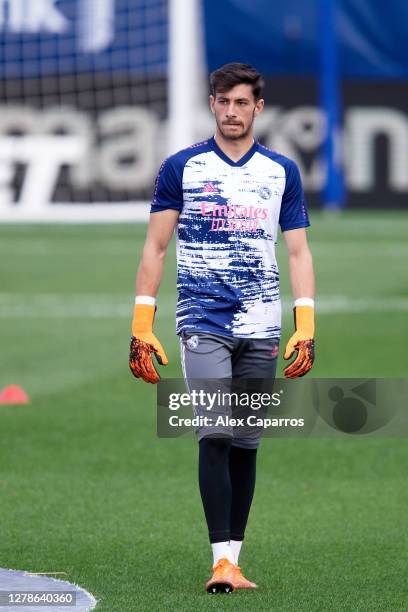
<point x="238" y="135"/>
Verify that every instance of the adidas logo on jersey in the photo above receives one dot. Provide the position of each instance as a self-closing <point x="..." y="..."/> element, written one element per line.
<point x="210" y="188"/>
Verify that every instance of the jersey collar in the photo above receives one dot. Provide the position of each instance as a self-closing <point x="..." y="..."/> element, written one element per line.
<point x="227" y="159"/>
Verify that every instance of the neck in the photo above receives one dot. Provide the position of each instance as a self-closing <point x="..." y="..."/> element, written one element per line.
<point x="235" y="149"/>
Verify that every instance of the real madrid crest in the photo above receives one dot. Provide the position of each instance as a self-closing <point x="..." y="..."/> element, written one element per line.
<point x="192" y="342"/>
<point x="265" y="193"/>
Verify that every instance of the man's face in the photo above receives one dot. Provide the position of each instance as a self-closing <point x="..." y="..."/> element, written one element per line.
<point x="235" y="111"/>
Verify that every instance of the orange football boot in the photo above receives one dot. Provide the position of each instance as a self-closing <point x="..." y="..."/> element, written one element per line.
<point x="222" y="579"/>
<point x="240" y="582"/>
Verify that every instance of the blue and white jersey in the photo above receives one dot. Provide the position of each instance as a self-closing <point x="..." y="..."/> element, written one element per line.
<point x="227" y="275"/>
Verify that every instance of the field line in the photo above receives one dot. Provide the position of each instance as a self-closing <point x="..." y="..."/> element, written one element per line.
<point x="97" y="306"/>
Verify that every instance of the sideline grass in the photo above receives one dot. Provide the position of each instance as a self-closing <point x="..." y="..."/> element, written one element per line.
<point x="87" y="488"/>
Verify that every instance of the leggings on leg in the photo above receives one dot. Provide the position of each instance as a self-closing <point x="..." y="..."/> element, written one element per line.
<point x="242" y="465"/>
<point x="215" y="486"/>
<point x="227" y="482"/>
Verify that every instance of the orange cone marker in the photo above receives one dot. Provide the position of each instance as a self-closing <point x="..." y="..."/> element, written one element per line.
<point x="13" y="394"/>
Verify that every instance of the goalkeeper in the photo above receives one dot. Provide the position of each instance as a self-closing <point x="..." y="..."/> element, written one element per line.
<point x="226" y="197"/>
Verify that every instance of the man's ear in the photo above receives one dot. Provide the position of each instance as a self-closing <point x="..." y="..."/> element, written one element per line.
<point x="259" y="106"/>
<point x="212" y="104"/>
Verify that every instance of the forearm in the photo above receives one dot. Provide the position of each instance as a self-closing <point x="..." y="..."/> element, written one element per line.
<point x="150" y="272"/>
<point x="301" y="274"/>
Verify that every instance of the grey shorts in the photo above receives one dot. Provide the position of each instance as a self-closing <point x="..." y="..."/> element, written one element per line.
<point x="219" y="365"/>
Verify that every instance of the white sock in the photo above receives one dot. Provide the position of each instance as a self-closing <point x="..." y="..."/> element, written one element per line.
<point x="222" y="550"/>
<point x="236" y="549"/>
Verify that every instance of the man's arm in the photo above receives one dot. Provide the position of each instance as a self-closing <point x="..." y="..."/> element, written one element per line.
<point x="159" y="233"/>
<point x="300" y="264"/>
<point x="303" y="289"/>
<point x="143" y="342"/>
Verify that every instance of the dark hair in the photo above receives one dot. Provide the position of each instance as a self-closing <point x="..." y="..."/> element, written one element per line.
<point x="225" y="78"/>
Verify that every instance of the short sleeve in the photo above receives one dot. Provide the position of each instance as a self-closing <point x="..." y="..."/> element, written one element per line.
<point x="168" y="191"/>
<point x="293" y="213"/>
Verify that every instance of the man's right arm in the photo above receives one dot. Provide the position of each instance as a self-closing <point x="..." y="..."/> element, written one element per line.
<point x="143" y="342"/>
<point x="159" y="233"/>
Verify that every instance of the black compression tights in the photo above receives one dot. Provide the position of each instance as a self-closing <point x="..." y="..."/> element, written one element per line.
<point x="226" y="477"/>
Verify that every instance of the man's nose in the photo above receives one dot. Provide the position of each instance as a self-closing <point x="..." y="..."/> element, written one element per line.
<point x="231" y="110"/>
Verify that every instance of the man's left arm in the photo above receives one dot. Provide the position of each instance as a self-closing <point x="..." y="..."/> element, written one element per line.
<point x="303" y="289"/>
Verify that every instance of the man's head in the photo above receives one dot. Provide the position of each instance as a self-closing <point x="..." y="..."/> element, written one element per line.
<point x="235" y="99"/>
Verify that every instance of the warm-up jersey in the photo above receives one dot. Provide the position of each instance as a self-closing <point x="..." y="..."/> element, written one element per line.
<point x="228" y="280"/>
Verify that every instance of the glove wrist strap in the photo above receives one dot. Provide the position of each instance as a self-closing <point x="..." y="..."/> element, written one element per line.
<point x="304" y="320"/>
<point x="143" y="316"/>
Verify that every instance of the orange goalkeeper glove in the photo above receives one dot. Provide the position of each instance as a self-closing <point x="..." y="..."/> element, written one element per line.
<point x="143" y="343"/>
<point x="302" y="341"/>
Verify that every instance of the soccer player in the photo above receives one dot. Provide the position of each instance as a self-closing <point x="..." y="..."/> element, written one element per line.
<point x="226" y="197"/>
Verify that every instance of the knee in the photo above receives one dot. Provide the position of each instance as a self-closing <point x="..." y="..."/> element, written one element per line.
<point x="215" y="448"/>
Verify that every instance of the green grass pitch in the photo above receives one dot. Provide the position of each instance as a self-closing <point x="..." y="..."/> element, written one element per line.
<point x="88" y="489"/>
